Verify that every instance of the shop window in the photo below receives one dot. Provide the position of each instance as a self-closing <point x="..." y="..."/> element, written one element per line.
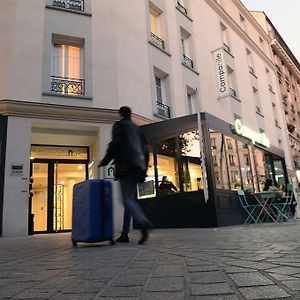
<point x="260" y="167"/>
<point x="233" y="164"/>
<point x="167" y="166"/>
<point x="191" y="161"/>
<point x="279" y="174"/>
<point x="147" y="188"/>
<point x="245" y="167"/>
<point x="220" y="164"/>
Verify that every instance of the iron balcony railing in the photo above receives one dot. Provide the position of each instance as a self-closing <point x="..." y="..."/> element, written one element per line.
<point x="226" y="47"/>
<point x="188" y="62"/>
<point x="163" y="110"/>
<point x="233" y="92"/>
<point x="251" y="70"/>
<point x="157" y="41"/>
<point x="68" y="86"/>
<point x="77" y="5"/>
<point x="181" y="8"/>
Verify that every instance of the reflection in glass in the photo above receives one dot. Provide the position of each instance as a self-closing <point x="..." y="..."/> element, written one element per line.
<point x="40" y="195"/>
<point x="219" y="157"/>
<point x="147" y="188"/>
<point x="279" y="174"/>
<point x="246" y="169"/>
<point x="233" y="163"/>
<point x="191" y="162"/>
<point x="167" y="162"/>
<point x="260" y="165"/>
<point x="65" y="176"/>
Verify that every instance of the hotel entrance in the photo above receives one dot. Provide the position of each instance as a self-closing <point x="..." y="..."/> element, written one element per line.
<point x="54" y="171"/>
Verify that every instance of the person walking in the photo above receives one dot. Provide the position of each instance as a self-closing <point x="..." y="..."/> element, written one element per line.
<point x="129" y="151"/>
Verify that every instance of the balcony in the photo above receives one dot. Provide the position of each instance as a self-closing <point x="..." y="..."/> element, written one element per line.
<point x="188" y="62"/>
<point x="67" y="86"/>
<point x="157" y="41"/>
<point x="162" y="110"/>
<point x="77" y="5"/>
<point x="251" y="70"/>
<point x="226" y="47"/>
<point x="181" y="8"/>
<point x="233" y="92"/>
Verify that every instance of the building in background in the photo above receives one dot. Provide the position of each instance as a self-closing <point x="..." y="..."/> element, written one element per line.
<point x="288" y="77"/>
<point x="68" y="65"/>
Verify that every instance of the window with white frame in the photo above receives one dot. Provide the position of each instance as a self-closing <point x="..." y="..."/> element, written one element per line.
<point x="250" y="61"/>
<point x="225" y="37"/>
<point x="190" y="104"/>
<point x="232" y="82"/>
<point x="67" y="68"/>
<point x="186" y="48"/>
<point x="162" y="109"/>
<point x="156" y="26"/>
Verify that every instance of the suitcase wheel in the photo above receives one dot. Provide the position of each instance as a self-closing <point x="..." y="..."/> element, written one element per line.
<point x="74" y="244"/>
<point x="112" y="242"/>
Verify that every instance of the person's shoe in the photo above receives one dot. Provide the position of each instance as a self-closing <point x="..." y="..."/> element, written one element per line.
<point x="123" y="238"/>
<point x="145" y="236"/>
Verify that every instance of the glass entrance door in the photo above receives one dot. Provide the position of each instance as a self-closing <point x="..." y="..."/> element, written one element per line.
<point x="65" y="176"/>
<point x="51" y="203"/>
<point x="39" y="200"/>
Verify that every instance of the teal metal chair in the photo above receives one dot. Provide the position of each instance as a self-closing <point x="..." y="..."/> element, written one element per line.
<point x="251" y="209"/>
<point x="283" y="208"/>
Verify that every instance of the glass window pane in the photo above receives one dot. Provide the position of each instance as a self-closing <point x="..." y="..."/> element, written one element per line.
<point x="233" y="163"/>
<point x="158" y="84"/>
<point x="74" y="62"/>
<point x="260" y="165"/>
<point x="279" y="174"/>
<point x="167" y="167"/>
<point x="40" y="196"/>
<point x="58" y="67"/>
<point x="246" y="168"/>
<point x="191" y="162"/>
<point x="147" y="188"/>
<point x="219" y="157"/>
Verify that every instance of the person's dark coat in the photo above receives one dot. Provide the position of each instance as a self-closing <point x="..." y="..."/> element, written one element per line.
<point x="128" y="149"/>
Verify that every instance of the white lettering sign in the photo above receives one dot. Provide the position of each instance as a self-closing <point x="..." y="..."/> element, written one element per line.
<point x="255" y="137"/>
<point x="223" y="86"/>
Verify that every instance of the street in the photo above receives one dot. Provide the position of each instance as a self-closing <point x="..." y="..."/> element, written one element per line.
<point x="241" y="262"/>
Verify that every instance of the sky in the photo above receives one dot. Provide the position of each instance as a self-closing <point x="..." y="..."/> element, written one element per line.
<point x="284" y="14"/>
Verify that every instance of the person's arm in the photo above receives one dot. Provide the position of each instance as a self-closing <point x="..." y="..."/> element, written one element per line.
<point x="173" y="186"/>
<point x="113" y="146"/>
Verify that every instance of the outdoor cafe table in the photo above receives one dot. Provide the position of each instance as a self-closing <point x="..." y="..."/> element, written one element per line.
<point x="265" y="200"/>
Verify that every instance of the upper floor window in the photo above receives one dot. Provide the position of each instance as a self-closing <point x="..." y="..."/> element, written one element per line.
<point x="77" y="5"/>
<point x="161" y="91"/>
<point x="225" y="37"/>
<point x="156" y="26"/>
<point x="182" y="6"/>
<point x="67" y="69"/>
<point x="250" y="61"/>
<point x="186" y="48"/>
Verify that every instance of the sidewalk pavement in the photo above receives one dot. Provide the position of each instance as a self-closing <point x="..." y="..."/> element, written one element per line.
<point x="243" y="262"/>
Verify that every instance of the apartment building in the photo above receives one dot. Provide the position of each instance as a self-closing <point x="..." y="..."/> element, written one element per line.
<point x="68" y="65"/>
<point x="288" y="77"/>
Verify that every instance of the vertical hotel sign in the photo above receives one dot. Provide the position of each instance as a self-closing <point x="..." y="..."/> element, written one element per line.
<point x="222" y="74"/>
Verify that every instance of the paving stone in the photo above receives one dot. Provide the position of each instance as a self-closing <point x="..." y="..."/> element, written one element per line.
<point x="36" y="294"/>
<point x="201" y="268"/>
<point x="122" y="292"/>
<point x="61" y="296"/>
<point x="14" y="289"/>
<point x="207" y="277"/>
<point x="219" y="297"/>
<point x="168" y="271"/>
<point x="163" y="296"/>
<point x="230" y="269"/>
<point x="250" y="279"/>
<point x="293" y="284"/>
<point x="84" y="286"/>
<point x="281" y="277"/>
<point x="130" y="280"/>
<point x="264" y="292"/>
<point x="285" y="270"/>
<point x="169" y="284"/>
<point x="210" y="289"/>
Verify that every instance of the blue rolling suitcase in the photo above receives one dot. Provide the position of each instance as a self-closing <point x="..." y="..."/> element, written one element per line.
<point x="92" y="219"/>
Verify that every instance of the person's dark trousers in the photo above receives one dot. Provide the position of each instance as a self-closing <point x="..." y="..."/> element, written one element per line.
<point x="131" y="207"/>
